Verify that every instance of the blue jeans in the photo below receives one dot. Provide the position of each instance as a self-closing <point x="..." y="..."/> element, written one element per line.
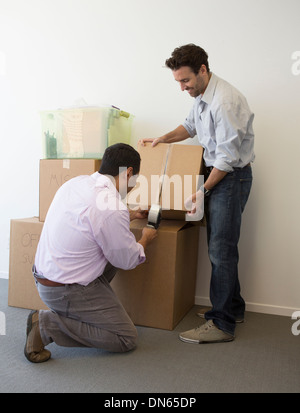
<point x="224" y="208"/>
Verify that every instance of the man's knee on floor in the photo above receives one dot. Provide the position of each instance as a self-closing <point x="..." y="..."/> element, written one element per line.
<point x="118" y="343"/>
<point x="128" y="343"/>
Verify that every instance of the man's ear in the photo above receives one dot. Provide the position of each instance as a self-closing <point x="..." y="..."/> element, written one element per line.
<point x="202" y="70"/>
<point x="129" y="172"/>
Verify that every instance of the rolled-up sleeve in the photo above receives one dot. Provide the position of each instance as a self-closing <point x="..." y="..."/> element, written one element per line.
<point x="189" y="124"/>
<point x="230" y="127"/>
<point x="118" y="243"/>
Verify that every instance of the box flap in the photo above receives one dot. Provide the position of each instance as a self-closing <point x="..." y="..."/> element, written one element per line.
<point x="183" y="170"/>
<point x="174" y="167"/>
<point x="165" y="225"/>
<point x="31" y="220"/>
<point x="153" y="165"/>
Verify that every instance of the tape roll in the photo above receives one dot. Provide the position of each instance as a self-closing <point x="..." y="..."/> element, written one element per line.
<point x="154" y="215"/>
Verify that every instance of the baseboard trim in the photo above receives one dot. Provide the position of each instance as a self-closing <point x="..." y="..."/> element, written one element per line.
<point x="252" y="307"/>
<point x="255" y="307"/>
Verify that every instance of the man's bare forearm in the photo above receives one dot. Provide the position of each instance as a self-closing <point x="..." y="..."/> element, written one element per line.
<point x="214" y="178"/>
<point x="177" y="135"/>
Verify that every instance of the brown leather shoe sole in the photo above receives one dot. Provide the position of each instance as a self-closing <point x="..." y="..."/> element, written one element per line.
<point x="35" y="357"/>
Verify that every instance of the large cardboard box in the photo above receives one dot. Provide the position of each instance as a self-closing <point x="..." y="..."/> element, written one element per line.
<point x="24" y="238"/>
<point x="160" y="292"/>
<point x="55" y="172"/>
<point x="169" y="174"/>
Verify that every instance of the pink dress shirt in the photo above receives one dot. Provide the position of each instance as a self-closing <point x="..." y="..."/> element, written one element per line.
<point x="86" y="227"/>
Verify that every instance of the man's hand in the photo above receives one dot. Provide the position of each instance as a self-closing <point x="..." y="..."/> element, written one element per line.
<point x="154" y="141"/>
<point x="138" y="214"/>
<point x="148" y="235"/>
<point x="177" y="135"/>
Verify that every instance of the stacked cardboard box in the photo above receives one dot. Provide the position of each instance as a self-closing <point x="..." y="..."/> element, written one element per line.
<point x="24" y="238"/>
<point x="74" y="140"/>
<point x="55" y="172"/>
<point x="25" y="233"/>
<point x="160" y="292"/>
<point x="157" y="293"/>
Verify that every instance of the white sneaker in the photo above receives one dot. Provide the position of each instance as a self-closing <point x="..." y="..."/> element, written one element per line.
<point x="207" y="333"/>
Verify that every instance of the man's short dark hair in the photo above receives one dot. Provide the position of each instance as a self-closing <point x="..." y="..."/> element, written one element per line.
<point x="188" y="55"/>
<point x="119" y="156"/>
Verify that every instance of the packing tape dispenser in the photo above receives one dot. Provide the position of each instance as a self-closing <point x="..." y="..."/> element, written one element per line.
<point x="154" y="216"/>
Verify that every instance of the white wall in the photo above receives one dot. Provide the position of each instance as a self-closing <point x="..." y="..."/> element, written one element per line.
<point x="53" y="52"/>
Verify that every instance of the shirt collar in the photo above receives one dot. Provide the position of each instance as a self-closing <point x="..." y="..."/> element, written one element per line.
<point x="102" y="181"/>
<point x="208" y="95"/>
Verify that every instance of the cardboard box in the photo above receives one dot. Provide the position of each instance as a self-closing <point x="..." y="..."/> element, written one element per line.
<point x="55" y="172"/>
<point x="170" y="169"/>
<point x="160" y="292"/>
<point x="24" y="238"/>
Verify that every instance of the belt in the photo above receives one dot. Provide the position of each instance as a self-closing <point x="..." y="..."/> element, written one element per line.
<point x="44" y="281"/>
<point x="48" y="283"/>
<point x="210" y="168"/>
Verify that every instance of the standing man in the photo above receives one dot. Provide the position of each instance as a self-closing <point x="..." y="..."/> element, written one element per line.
<point x="222" y="120"/>
<point x="85" y="238"/>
